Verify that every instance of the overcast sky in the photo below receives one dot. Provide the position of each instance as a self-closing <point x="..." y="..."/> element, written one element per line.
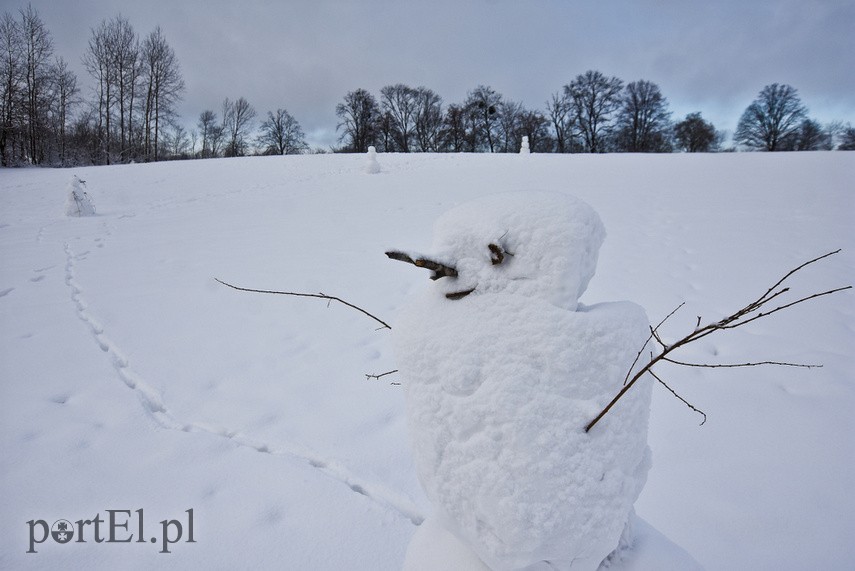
<point x="711" y="56"/>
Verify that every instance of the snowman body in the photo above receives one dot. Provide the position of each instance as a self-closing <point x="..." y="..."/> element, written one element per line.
<point x="78" y="202"/>
<point x="501" y="382"/>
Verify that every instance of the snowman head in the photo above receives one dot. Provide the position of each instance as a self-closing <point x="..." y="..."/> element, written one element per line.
<point x="539" y="245"/>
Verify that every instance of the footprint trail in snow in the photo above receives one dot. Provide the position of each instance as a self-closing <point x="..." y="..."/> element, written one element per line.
<point x="154" y="405"/>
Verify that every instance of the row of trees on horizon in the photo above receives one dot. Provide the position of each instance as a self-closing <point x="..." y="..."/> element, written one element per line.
<point x="591" y="114"/>
<point x="130" y="114"/>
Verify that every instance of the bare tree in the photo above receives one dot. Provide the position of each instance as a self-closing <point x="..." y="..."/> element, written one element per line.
<point x="428" y="121"/>
<point x="281" y="134"/>
<point x="644" y="122"/>
<point x="455" y="129"/>
<point x="97" y="62"/>
<point x="695" y="135"/>
<point x="483" y="105"/>
<point x="177" y="142"/>
<point x="113" y="60"/>
<point x="399" y="103"/>
<point x="38" y="49"/>
<point x="237" y="120"/>
<point x="594" y="99"/>
<point x="535" y="126"/>
<point x="774" y="116"/>
<point x="358" y="114"/>
<point x="560" y="110"/>
<point x="810" y="136"/>
<point x="123" y="49"/>
<point x="207" y="123"/>
<point x="65" y="91"/>
<point x="163" y="88"/>
<point x="508" y="136"/>
<point x="84" y="145"/>
<point x="12" y="69"/>
<point x="847" y="139"/>
<point x="218" y="140"/>
<point x="385" y="133"/>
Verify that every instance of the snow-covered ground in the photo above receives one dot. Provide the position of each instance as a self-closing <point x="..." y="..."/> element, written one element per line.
<point x="131" y="381"/>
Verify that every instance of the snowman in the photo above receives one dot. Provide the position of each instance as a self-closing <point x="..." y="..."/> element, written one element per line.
<point x="78" y="202"/>
<point x="503" y="367"/>
<point x="371" y="165"/>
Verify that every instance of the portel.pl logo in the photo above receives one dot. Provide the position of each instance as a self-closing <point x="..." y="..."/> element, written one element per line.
<point x="118" y="527"/>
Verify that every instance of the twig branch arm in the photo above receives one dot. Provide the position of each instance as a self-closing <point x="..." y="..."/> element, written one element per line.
<point x="317" y="295"/>
<point x="730" y="322"/>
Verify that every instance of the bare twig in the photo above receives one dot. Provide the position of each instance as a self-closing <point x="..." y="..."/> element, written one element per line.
<point x="330" y="298"/>
<point x="747" y="314"/>
<point x="734" y="365"/>
<point x="673" y="392"/>
<point x="380" y="375"/>
<point x="651" y="336"/>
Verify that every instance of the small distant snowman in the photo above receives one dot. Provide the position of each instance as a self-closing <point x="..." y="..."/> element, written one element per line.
<point x="371" y="165"/>
<point x="503" y="367"/>
<point x="78" y="203"/>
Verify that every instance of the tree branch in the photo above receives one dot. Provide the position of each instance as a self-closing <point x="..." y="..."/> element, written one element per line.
<point x="318" y="295"/>
<point x="649" y="337"/>
<point x="378" y="376"/>
<point x="687" y="403"/>
<point x="732" y="321"/>
<point x="733" y="365"/>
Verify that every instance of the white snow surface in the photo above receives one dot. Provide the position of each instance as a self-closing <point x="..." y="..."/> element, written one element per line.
<point x="130" y="379"/>
<point x="501" y="383"/>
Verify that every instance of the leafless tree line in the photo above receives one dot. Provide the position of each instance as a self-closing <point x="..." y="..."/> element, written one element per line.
<point x="37" y="90"/>
<point x="231" y="135"/>
<point x="591" y="114"/>
<point x="137" y="83"/>
<point x="131" y="112"/>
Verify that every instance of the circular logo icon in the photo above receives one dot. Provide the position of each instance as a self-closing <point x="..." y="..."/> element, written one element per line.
<point x="62" y="531"/>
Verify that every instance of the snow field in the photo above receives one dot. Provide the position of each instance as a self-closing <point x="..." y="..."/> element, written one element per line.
<point x="131" y="380"/>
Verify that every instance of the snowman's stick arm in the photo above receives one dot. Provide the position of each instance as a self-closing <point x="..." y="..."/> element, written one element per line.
<point x="318" y="295"/>
<point x="751" y="312"/>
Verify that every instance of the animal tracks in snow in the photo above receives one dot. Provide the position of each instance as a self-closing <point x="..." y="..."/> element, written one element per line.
<point x="154" y="405"/>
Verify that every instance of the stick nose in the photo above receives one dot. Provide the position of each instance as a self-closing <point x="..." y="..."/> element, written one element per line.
<point x="439" y="269"/>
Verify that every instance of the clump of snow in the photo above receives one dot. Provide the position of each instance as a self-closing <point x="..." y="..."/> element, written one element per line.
<point x="501" y="383"/>
<point x="524" y="148"/>
<point x="78" y="202"/>
<point x="372" y="166"/>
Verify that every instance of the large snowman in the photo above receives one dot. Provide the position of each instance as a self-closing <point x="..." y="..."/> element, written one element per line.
<point x="503" y="369"/>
